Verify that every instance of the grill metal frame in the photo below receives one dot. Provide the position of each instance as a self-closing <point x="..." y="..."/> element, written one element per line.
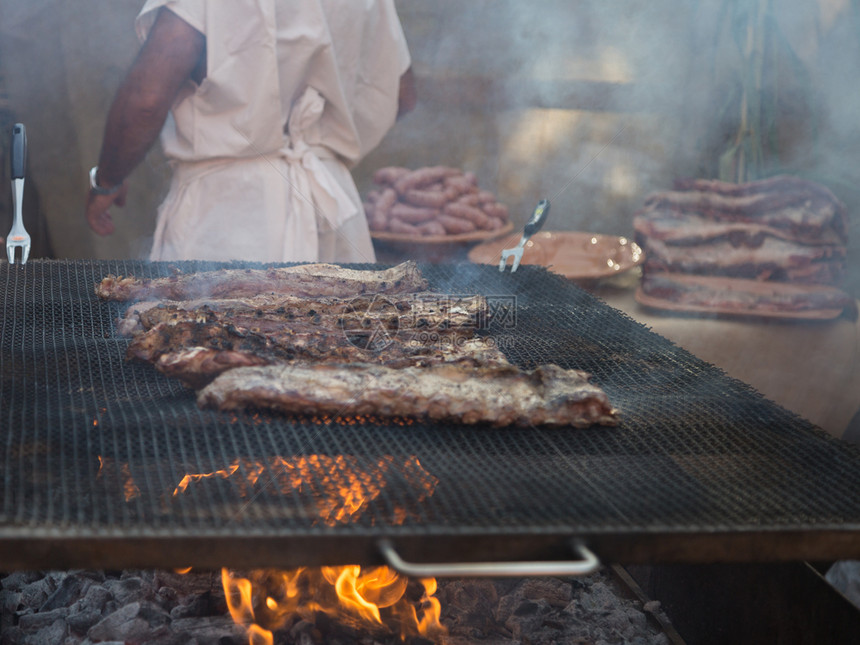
<point x="701" y="469"/>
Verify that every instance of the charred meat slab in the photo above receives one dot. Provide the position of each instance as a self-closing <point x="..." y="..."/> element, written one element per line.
<point x="307" y="280"/>
<point x="195" y="354"/>
<point x="795" y="205"/>
<point x="198" y="343"/>
<point x="398" y="311"/>
<point x="669" y="227"/>
<point x="499" y="396"/>
<point x="782" y="229"/>
<point x="772" y="259"/>
<point x="705" y="293"/>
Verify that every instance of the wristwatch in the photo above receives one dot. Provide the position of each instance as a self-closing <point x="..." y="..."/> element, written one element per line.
<point x="99" y="190"/>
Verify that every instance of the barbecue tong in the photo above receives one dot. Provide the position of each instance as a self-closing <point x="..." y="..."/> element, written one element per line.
<point x="531" y="227"/>
<point x="18" y="236"/>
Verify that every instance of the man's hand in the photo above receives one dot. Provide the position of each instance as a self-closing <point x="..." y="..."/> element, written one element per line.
<point x="98" y="217"/>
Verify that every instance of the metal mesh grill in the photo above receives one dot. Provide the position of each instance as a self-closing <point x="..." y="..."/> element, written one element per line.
<point x="93" y="443"/>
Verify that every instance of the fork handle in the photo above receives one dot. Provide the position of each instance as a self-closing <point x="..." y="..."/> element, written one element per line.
<point x="537" y="219"/>
<point x="19" y="151"/>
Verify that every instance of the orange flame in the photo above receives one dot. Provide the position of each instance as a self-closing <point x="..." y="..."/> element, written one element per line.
<point x="341" y="487"/>
<point x="129" y="487"/>
<point x="224" y="473"/>
<point x="259" y="636"/>
<point x="239" y="598"/>
<point x="373" y="599"/>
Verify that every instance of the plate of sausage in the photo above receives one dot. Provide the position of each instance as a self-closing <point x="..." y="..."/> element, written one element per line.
<point x="432" y="205"/>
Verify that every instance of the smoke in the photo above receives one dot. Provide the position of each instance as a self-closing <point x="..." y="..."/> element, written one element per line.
<point x="583" y="102"/>
<point x="60" y="64"/>
<point x="608" y="101"/>
<point x="592" y="103"/>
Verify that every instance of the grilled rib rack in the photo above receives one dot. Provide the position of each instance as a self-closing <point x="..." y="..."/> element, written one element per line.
<point x="107" y="463"/>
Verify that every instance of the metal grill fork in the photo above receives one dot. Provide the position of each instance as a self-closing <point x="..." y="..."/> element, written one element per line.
<point x="18" y="236"/>
<point x="531" y="227"/>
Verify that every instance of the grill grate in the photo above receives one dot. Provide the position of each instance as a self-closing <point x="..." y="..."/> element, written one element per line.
<point x="96" y="446"/>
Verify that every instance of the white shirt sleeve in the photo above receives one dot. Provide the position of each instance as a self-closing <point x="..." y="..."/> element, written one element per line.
<point x="191" y="11"/>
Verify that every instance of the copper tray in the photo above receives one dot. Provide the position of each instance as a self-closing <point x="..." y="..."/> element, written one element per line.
<point x="575" y="255"/>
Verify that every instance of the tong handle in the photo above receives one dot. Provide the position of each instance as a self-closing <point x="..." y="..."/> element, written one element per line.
<point x="537" y="219"/>
<point x="18" y="154"/>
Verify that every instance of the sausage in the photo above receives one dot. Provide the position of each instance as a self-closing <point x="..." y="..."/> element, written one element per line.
<point x="388" y="175"/>
<point x="455" y="225"/>
<point x="375" y="222"/>
<point x="423" y="177"/>
<point x="412" y="214"/>
<point x="461" y="184"/>
<point x="495" y="224"/>
<point x="386" y="200"/>
<point x="432" y="227"/>
<point x="399" y="226"/>
<point x="373" y="195"/>
<point x="470" y="199"/>
<point x="486" y="197"/>
<point x="452" y="193"/>
<point x="426" y="198"/>
<point x="497" y="210"/>
<point x="463" y="211"/>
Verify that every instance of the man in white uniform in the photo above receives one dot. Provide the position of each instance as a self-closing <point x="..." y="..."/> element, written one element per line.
<point x="263" y="106"/>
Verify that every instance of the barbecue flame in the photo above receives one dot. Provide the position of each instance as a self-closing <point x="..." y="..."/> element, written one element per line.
<point x="107" y="468"/>
<point x="377" y="600"/>
<point x="129" y="488"/>
<point x="224" y="473"/>
<point x="342" y="489"/>
<point x="339" y="488"/>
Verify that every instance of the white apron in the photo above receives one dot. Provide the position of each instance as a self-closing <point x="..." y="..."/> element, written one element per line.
<point x="296" y="92"/>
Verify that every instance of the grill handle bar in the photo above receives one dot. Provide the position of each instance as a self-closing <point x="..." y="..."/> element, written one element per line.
<point x="587" y="563"/>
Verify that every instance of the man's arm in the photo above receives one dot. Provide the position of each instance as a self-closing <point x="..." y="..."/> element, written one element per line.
<point x="166" y="61"/>
<point x="408" y="97"/>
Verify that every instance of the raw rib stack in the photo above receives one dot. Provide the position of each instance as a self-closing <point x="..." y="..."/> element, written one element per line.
<point x="431" y="201"/>
<point x="780" y="236"/>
